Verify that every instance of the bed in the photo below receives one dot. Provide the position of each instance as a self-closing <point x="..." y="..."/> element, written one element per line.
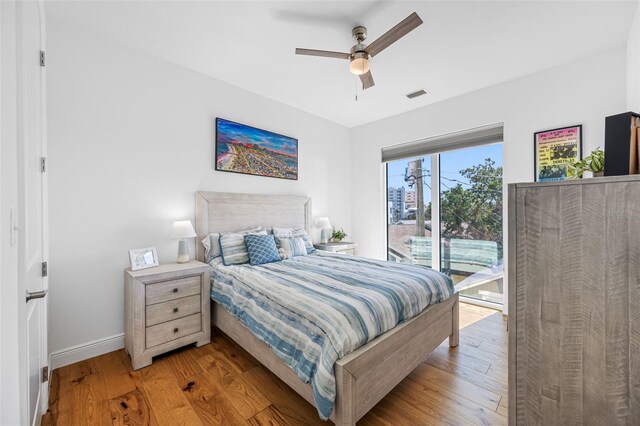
<point x="365" y="375"/>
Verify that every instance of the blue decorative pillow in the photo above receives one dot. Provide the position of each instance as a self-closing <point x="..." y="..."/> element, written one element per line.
<point x="262" y="249"/>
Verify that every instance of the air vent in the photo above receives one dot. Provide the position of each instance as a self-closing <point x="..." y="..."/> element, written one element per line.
<point x="416" y="94"/>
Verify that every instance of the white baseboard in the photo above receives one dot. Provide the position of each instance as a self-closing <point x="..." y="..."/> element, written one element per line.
<point x="85" y="351"/>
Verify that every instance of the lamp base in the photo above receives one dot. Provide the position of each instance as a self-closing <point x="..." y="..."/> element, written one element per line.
<point x="183" y="252"/>
<point x="324" y="236"/>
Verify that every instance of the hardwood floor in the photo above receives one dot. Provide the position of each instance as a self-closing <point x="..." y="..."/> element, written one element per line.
<point x="221" y="384"/>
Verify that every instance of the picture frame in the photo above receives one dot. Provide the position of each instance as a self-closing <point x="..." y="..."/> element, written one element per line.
<point x="553" y="150"/>
<point x="143" y="258"/>
<point x="247" y="150"/>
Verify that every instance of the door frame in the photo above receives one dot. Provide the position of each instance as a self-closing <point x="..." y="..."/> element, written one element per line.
<point x="22" y="61"/>
<point x="11" y="408"/>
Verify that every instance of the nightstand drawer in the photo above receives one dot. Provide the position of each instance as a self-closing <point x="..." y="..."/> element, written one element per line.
<point x="173" y="289"/>
<point x="168" y="331"/>
<point x="173" y="309"/>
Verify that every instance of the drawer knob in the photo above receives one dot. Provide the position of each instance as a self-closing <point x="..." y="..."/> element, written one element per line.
<point x="175" y="310"/>
<point x="175" y="330"/>
<point x="175" y="290"/>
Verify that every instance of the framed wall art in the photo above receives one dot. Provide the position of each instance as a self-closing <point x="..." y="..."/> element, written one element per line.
<point x="554" y="149"/>
<point x="248" y="150"/>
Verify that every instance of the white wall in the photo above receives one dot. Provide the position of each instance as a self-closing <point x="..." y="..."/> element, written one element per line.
<point x="633" y="64"/>
<point x="583" y="92"/>
<point x="131" y="139"/>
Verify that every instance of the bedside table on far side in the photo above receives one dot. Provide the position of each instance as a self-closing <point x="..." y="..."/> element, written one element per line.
<point x="343" y="247"/>
<point x="166" y="307"/>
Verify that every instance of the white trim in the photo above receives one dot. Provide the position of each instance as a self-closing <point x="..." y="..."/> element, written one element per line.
<point x="85" y="351"/>
<point x="483" y="303"/>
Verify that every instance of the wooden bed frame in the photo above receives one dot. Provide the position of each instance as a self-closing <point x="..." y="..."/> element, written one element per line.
<point x="364" y="376"/>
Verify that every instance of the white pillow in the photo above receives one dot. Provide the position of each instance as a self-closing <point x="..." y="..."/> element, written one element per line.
<point x="293" y="247"/>
<point x="281" y="233"/>
<point x="211" y="243"/>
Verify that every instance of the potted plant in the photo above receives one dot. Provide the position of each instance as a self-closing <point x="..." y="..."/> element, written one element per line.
<point x="338" y="235"/>
<point x="593" y="162"/>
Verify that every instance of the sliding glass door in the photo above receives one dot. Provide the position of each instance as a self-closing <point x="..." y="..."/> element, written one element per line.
<point x="445" y="211"/>
<point x="471" y="221"/>
<point x="409" y="211"/>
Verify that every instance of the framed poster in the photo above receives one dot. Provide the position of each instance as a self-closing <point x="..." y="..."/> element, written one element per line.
<point x="247" y="150"/>
<point x="554" y="149"/>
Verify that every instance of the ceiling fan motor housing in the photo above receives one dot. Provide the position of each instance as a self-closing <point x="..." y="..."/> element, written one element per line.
<point x="359" y="33"/>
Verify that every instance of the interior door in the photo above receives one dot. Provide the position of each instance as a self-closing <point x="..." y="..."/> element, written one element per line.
<point x="32" y="206"/>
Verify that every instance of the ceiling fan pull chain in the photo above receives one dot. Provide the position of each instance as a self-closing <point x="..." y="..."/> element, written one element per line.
<point x="356" y="89"/>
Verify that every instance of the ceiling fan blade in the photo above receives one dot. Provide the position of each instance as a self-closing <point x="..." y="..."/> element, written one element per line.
<point x="367" y="80"/>
<point x="394" y="34"/>
<point x="325" y="53"/>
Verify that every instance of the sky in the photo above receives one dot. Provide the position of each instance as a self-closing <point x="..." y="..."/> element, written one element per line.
<point x="252" y="135"/>
<point x="451" y="163"/>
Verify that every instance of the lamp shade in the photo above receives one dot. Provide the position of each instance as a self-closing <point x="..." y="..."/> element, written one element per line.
<point x="323" y="223"/>
<point x="182" y="229"/>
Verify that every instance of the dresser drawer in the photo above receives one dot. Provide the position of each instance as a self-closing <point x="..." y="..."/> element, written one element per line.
<point x="168" y="331"/>
<point x="173" y="289"/>
<point x="173" y="309"/>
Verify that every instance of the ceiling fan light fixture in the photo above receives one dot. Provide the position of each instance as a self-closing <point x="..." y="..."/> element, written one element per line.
<point x="359" y="63"/>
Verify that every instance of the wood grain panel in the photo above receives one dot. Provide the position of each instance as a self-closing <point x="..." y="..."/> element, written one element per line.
<point x="575" y="302"/>
<point x="172" y="289"/>
<point x="570" y="303"/>
<point x="548" y="324"/>
<point x="132" y="409"/>
<point x="617" y="304"/>
<point x="633" y="206"/>
<point x="209" y="403"/>
<point x="223" y="211"/>
<point x="167" y="400"/>
<point x="593" y="303"/>
<point x="172" y="330"/>
<point x="173" y="309"/>
<point x="530" y="327"/>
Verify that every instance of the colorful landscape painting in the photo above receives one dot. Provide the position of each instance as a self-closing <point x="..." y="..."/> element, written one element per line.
<point x="247" y="150"/>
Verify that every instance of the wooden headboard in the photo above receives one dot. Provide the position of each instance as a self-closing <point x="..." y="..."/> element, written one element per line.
<point x="226" y="211"/>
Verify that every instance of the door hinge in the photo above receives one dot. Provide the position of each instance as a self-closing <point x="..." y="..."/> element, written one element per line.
<point x="43" y="164"/>
<point x="45" y="269"/>
<point x="45" y="373"/>
<point x="42" y="58"/>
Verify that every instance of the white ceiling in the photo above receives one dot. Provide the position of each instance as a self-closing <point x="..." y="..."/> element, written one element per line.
<point x="461" y="47"/>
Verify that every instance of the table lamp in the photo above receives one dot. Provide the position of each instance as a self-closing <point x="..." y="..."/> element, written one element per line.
<point x="324" y="224"/>
<point x="181" y="230"/>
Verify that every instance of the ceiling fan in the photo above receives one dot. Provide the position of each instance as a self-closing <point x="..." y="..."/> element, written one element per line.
<point x="360" y="53"/>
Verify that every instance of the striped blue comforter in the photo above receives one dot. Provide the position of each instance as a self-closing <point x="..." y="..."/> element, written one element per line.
<point x="312" y="310"/>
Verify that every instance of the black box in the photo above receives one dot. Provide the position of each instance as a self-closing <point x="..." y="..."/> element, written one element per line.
<point x="617" y="143"/>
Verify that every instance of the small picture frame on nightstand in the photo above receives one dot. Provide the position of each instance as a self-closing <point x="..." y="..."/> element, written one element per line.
<point x="143" y="258"/>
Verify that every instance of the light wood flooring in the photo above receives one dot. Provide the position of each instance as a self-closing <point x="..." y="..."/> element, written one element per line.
<point x="221" y="384"/>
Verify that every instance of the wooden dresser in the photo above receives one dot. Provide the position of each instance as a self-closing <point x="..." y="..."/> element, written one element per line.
<point x="166" y="307"/>
<point x="574" y="302"/>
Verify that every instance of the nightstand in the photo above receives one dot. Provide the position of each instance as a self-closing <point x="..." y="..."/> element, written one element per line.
<point x="166" y="307"/>
<point x="344" y="247"/>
